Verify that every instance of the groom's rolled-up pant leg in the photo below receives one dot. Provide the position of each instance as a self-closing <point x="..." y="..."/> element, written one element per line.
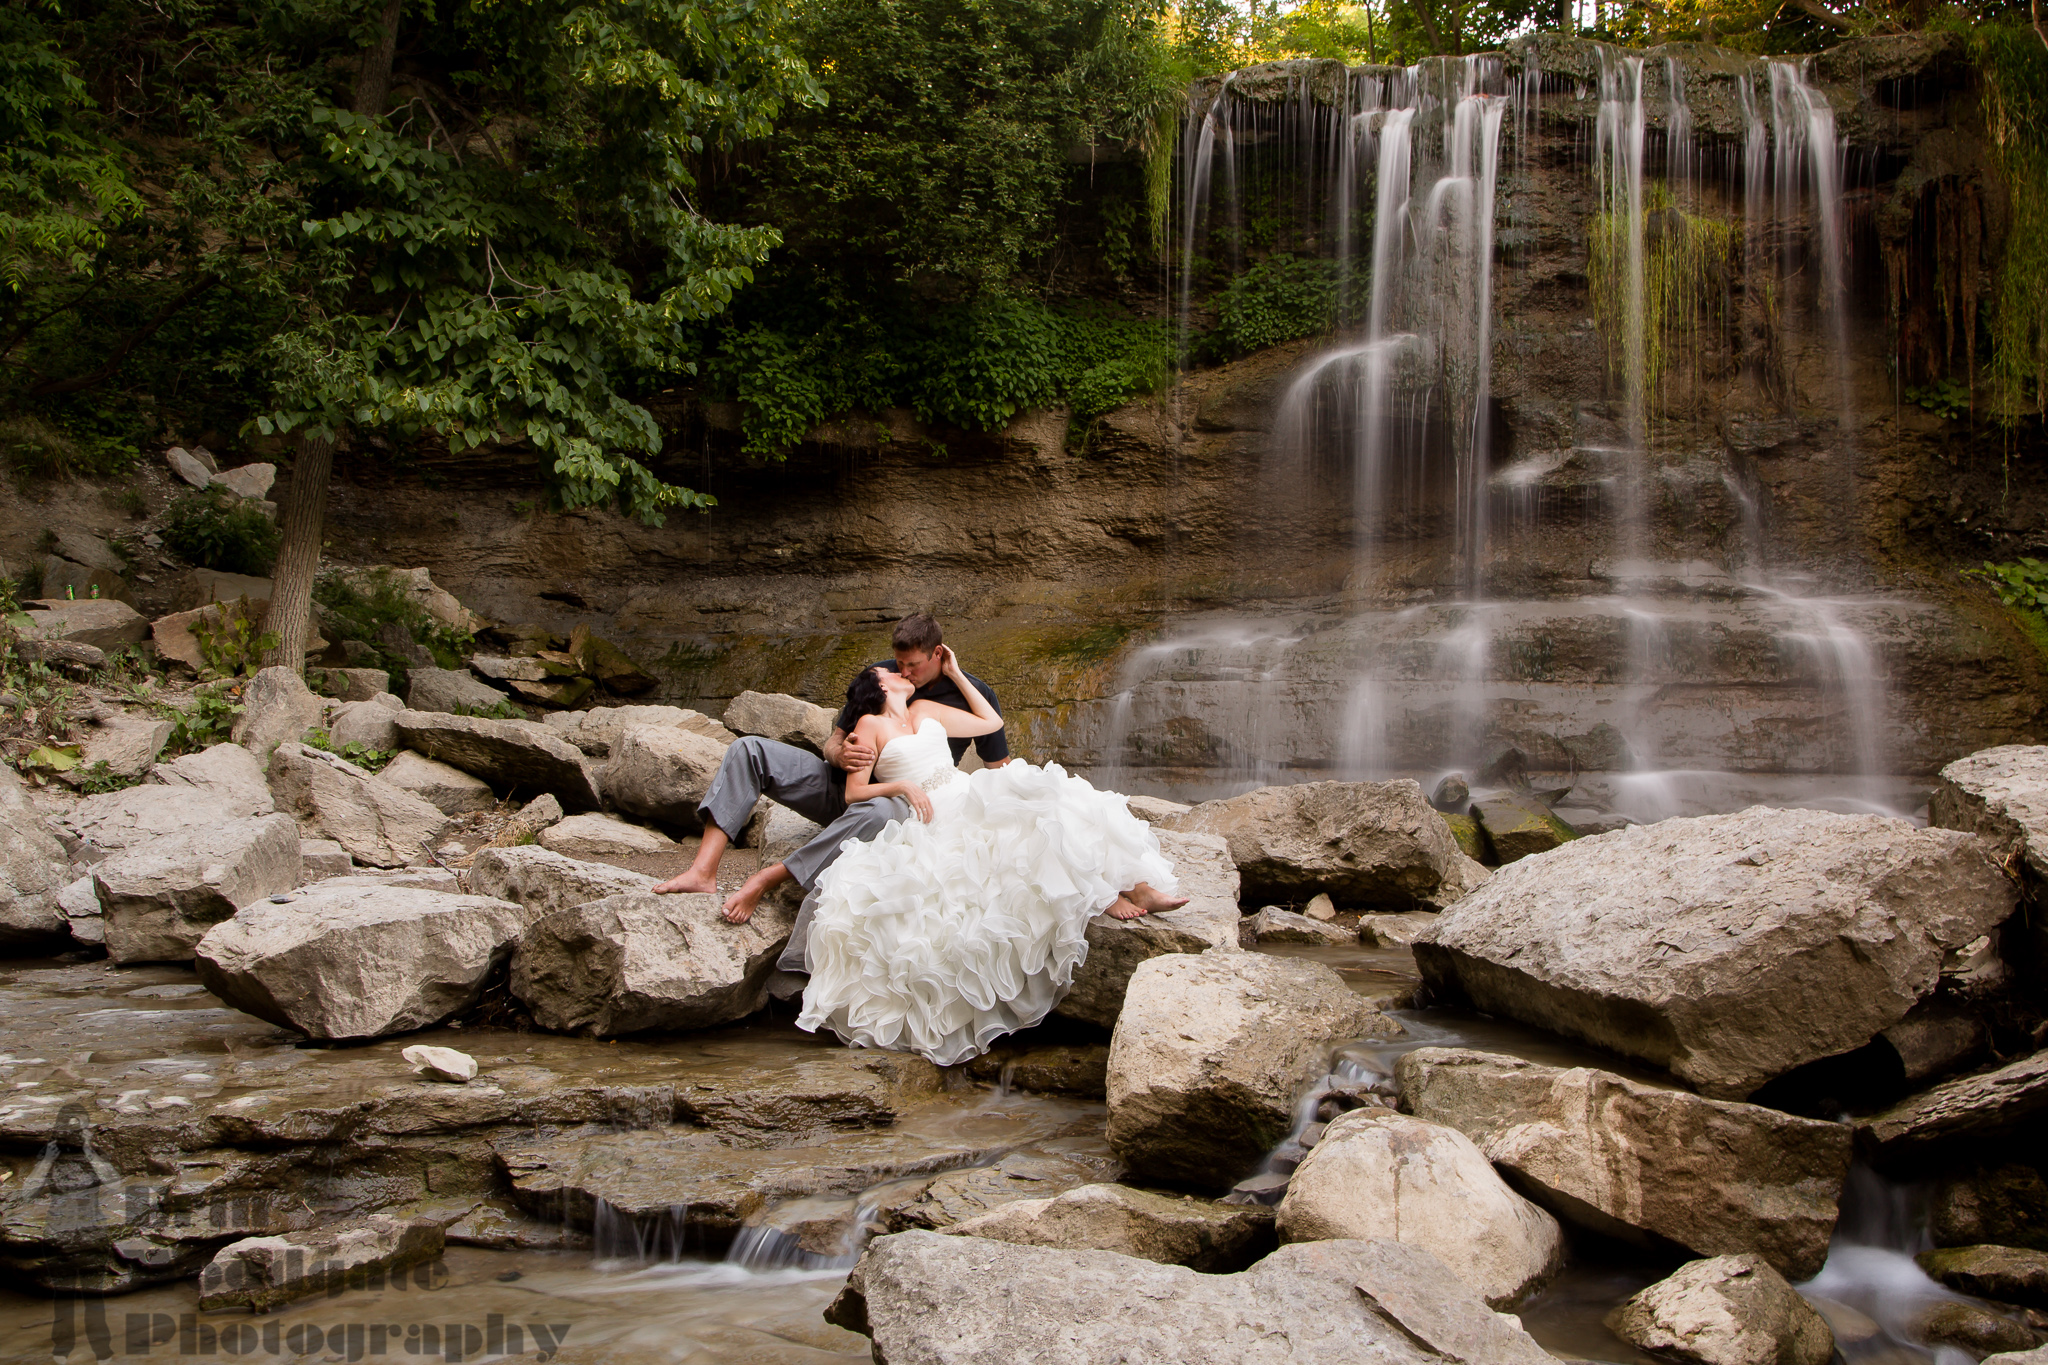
<point x="861" y="820"/>
<point x="754" y="767"/>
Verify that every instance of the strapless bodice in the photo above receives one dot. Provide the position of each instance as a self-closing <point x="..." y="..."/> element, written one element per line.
<point x="923" y="757"/>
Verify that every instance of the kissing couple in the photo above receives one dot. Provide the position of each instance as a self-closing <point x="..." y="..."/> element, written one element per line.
<point x="945" y="909"/>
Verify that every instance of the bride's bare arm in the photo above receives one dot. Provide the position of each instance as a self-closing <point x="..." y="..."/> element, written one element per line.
<point x="984" y="719"/>
<point x="860" y="785"/>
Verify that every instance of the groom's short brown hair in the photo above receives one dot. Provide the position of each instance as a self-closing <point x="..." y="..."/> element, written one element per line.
<point x="917" y="631"/>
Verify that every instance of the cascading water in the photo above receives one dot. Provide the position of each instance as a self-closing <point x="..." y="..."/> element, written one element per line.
<point x="1683" y="672"/>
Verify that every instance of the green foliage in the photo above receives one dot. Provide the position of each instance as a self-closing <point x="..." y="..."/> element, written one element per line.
<point x="360" y="606"/>
<point x="355" y="751"/>
<point x="99" y="778"/>
<point x="204" y="722"/>
<point x="2021" y="583"/>
<point x="1280" y="299"/>
<point x="2015" y="70"/>
<point x="1945" y="398"/>
<point x="1686" y="259"/>
<point x="214" y="529"/>
<point x="61" y="189"/>
<point x="232" y="640"/>
<point x="36" y="448"/>
<point x="971" y="366"/>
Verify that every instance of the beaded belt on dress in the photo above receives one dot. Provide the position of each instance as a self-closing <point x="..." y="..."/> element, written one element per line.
<point x="932" y="781"/>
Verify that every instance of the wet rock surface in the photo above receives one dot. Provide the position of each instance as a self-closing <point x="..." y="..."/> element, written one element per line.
<point x="1657" y="1166"/>
<point x="1210" y="1053"/>
<point x="1728" y="949"/>
<point x="261" y="1273"/>
<point x="2007" y="1274"/>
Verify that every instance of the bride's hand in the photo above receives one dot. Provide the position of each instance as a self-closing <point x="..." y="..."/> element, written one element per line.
<point x="949" y="662"/>
<point x="920" y="801"/>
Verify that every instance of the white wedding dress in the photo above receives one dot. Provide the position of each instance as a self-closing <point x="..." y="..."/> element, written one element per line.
<point x="939" y="938"/>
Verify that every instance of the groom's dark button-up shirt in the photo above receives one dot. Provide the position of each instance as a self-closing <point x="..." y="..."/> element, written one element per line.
<point x="993" y="748"/>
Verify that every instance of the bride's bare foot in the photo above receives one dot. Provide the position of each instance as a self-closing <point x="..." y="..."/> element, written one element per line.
<point x="688" y="882"/>
<point x="1123" y="909"/>
<point x="1153" y="902"/>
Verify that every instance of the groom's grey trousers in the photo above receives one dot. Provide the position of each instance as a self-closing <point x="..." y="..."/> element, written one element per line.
<point x="753" y="768"/>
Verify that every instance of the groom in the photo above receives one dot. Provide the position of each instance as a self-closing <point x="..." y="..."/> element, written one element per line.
<point x="815" y="788"/>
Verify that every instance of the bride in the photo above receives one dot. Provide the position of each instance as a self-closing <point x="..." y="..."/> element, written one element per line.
<point x="967" y="922"/>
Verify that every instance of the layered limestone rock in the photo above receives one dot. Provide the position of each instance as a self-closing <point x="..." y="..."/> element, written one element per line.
<point x="788" y="720"/>
<point x="595" y="835"/>
<point x="1210" y="1053"/>
<point x="506" y="753"/>
<point x="1728" y="949"/>
<point x="662" y="772"/>
<point x="2002" y="794"/>
<point x="262" y="1273"/>
<point x="1641" y="1163"/>
<point x="1992" y="1104"/>
<point x="544" y="881"/>
<point x="448" y="790"/>
<point x="1378" y="1174"/>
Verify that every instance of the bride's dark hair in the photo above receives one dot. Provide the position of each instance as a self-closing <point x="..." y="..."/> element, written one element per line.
<point x="864" y="693"/>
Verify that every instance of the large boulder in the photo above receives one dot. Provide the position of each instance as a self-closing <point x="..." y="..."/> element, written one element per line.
<point x="226" y="770"/>
<point x="448" y="689"/>
<point x="2004" y="1274"/>
<point x="2001" y="794"/>
<point x="100" y="622"/>
<point x="1376" y="1173"/>
<point x="635" y="962"/>
<point x="160" y="898"/>
<point x="1212" y="1238"/>
<point x="1967" y="1110"/>
<point x="594" y="835"/>
<point x="448" y="790"/>
<point x="277" y="708"/>
<point x="126" y="744"/>
<point x="662" y="772"/>
<point x="938" y="1300"/>
<point x="1211" y="1053"/>
<point x="378" y="823"/>
<point x="1728" y="949"/>
<point x="1641" y="1163"/>
<point x="1517" y="825"/>
<point x="102" y="825"/>
<point x="544" y="881"/>
<point x="773" y="715"/>
<point x="596" y="730"/>
<point x="350" y="684"/>
<point x="1116" y="946"/>
<point x="1366" y="843"/>
<point x="350" y="961"/>
<point x="1731" y="1310"/>
<point x="34" y="873"/>
<point x="505" y="753"/>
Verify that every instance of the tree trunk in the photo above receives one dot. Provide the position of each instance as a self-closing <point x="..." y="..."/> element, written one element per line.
<point x="291" y="587"/>
<point x="373" y="76"/>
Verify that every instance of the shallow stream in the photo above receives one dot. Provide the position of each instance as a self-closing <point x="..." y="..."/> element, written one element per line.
<point x="629" y="1302"/>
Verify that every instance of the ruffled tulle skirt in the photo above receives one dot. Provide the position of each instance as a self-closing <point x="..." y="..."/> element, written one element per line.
<point x="940" y="938"/>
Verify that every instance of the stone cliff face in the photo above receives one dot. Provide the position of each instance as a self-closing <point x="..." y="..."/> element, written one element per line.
<point x="1192" y="596"/>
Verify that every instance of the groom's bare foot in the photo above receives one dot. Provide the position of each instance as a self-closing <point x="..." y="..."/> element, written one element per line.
<point x="1123" y="909"/>
<point x="1153" y="902"/>
<point x="688" y="882"/>
<point x="741" y="904"/>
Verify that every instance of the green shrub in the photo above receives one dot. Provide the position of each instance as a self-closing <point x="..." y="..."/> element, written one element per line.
<point x="38" y="449"/>
<point x="203" y="724"/>
<point x="360" y="606"/>
<point x="231" y="639"/>
<point x="355" y="751"/>
<point x="1280" y="299"/>
<point x="214" y="529"/>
